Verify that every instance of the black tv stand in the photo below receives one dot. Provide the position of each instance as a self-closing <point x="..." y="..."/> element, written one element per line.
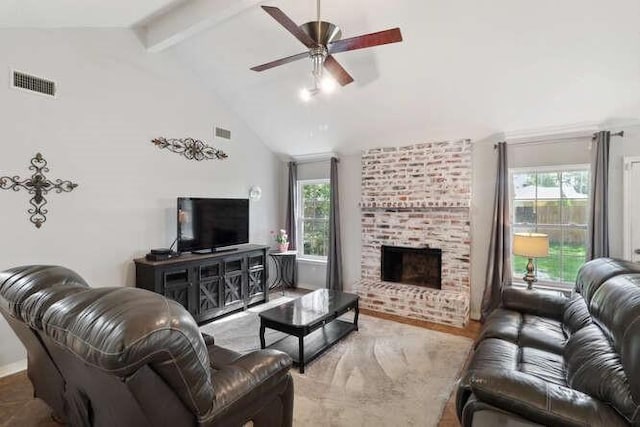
<point x="209" y="285"/>
<point x="213" y="251"/>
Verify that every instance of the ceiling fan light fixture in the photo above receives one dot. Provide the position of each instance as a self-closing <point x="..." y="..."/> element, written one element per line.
<point x="305" y="95"/>
<point x="328" y="84"/>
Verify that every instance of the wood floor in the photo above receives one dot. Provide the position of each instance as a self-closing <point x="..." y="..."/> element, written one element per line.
<point x="18" y="408"/>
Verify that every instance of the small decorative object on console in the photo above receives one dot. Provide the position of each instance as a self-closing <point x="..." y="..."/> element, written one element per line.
<point x="192" y="149"/>
<point x="282" y="239"/>
<point x="38" y="185"/>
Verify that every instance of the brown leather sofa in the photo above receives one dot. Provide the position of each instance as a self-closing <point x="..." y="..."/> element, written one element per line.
<point x="545" y="358"/>
<point x="128" y="357"/>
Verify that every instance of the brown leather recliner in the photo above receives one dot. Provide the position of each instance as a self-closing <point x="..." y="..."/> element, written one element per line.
<point x="18" y="284"/>
<point x="130" y="357"/>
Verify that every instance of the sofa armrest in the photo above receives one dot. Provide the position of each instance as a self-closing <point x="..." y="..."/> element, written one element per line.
<point x="534" y="301"/>
<point x="541" y="401"/>
<point x="245" y="379"/>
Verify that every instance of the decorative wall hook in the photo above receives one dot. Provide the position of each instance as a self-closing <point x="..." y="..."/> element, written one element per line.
<point x="192" y="149"/>
<point x="38" y="185"/>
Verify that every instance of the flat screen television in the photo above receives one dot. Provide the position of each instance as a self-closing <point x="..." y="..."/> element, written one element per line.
<point x="204" y="225"/>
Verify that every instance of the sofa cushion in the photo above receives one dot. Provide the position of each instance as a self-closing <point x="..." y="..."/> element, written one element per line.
<point x="594" y="273"/>
<point x="576" y="315"/>
<point x="543" y="364"/>
<point x="615" y="310"/>
<point x="525" y="330"/>
<point x="537" y="400"/>
<point x="594" y="367"/>
<point x="537" y="302"/>
<point x="498" y="354"/>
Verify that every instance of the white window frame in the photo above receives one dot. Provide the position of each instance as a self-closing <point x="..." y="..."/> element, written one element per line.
<point x="517" y="279"/>
<point x="315" y="259"/>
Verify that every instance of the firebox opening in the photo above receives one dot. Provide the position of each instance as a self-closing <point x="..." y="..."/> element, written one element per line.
<point x="413" y="266"/>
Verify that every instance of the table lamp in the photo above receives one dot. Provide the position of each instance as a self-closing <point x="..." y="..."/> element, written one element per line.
<point x="531" y="245"/>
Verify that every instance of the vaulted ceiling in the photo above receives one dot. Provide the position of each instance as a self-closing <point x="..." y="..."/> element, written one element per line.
<point x="79" y="13"/>
<point x="466" y="68"/>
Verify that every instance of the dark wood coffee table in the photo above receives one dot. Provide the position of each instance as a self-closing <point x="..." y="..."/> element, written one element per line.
<point x="314" y="316"/>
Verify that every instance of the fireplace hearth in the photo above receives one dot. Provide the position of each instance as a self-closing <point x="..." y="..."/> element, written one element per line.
<point x="412" y="266"/>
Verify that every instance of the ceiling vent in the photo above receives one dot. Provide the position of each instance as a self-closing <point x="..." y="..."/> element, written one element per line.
<point x="33" y="84"/>
<point x="223" y="133"/>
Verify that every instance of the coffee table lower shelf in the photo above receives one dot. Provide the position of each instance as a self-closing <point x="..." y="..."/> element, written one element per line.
<point x="315" y="343"/>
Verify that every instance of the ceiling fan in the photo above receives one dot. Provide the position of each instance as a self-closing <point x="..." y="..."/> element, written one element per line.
<point x="323" y="39"/>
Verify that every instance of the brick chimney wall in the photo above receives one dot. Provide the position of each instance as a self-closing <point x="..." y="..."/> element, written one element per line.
<point x="415" y="196"/>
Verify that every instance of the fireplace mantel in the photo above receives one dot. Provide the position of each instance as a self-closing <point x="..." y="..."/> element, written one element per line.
<point x="416" y="204"/>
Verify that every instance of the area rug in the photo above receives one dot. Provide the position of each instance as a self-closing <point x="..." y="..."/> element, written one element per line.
<point x="384" y="374"/>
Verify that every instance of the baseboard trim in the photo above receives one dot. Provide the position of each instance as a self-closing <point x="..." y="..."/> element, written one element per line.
<point x="13" y="368"/>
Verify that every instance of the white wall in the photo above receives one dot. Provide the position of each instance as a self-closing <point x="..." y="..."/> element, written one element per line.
<point x="113" y="98"/>
<point x="629" y="145"/>
<point x="350" y="171"/>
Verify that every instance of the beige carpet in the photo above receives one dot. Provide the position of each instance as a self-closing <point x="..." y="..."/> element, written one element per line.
<point x="385" y="374"/>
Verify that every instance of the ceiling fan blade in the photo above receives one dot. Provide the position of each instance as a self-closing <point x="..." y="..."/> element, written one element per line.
<point x="368" y="40"/>
<point x="336" y="70"/>
<point x="280" y="61"/>
<point x="291" y="26"/>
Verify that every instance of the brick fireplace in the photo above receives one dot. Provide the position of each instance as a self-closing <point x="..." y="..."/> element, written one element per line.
<point x="417" y="197"/>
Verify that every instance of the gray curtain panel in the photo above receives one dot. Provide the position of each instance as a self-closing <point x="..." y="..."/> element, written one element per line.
<point x="598" y="237"/>
<point x="334" y="258"/>
<point x="290" y="221"/>
<point x="499" y="264"/>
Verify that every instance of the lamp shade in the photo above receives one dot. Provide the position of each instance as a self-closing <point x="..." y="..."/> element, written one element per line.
<point x="531" y="245"/>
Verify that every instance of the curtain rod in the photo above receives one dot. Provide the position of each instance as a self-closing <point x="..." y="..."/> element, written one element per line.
<point x="620" y="134"/>
<point x="552" y="140"/>
<point x="313" y="158"/>
<point x="318" y="160"/>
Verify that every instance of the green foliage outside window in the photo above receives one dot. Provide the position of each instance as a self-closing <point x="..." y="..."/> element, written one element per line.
<point x="315" y="218"/>
<point x="554" y="203"/>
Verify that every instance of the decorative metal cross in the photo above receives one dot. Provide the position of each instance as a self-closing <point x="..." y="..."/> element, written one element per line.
<point x="38" y="185"/>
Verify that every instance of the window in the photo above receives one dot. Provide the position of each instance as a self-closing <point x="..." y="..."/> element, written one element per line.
<point x="553" y="201"/>
<point x="313" y="219"/>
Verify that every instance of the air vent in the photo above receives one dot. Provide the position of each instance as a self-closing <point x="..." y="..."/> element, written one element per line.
<point x="34" y="84"/>
<point x="223" y="133"/>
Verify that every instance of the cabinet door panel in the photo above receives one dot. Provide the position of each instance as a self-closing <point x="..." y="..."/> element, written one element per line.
<point x="233" y="288"/>
<point x="255" y="260"/>
<point x="209" y="296"/>
<point x="256" y="281"/>
<point x="210" y="271"/>
<point x="181" y="294"/>
<point x="176" y="276"/>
